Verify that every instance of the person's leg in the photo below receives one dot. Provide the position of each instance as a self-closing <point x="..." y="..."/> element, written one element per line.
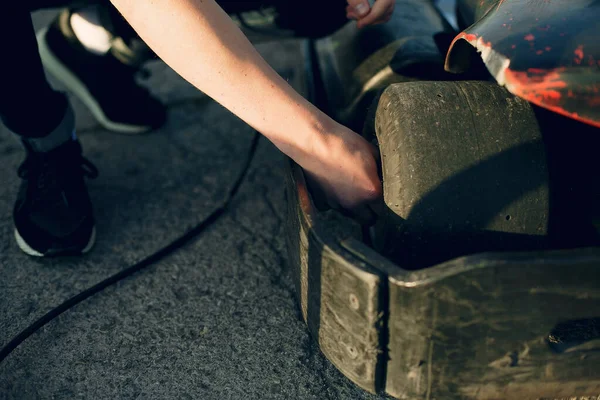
<point x="93" y="51"/>
<point x="23" y="85"/>
<point x="53" y="212"/>
<point x="95" y="54"/>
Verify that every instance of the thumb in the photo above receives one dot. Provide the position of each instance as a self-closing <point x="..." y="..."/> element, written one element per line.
<point x="360" y="7"/>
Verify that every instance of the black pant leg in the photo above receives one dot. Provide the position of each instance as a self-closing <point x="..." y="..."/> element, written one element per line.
<point x="312" y="18"/>
<point x="308" y="18"/>
<point x="28" y="105"/>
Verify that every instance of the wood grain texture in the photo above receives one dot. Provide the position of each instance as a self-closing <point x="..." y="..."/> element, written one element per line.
<point x="339" y="294"/>
<point x="477" y="327"/>
<point x="349" y="320"/>
<point x="299" y="209"/>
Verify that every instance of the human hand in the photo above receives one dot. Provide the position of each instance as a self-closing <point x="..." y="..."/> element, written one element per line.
<point x="364" y="14"/>
<point x="342" y="169"/>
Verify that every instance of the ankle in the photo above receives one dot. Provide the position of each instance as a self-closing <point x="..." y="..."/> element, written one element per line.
<point x="62" y="133"/>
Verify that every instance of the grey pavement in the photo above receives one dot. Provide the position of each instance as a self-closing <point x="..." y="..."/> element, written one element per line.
<point x="215" y="320"/>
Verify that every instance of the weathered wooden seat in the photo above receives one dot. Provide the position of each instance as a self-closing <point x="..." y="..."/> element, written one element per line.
<point x="502" y="325"/>
<point x="486" y="326"/>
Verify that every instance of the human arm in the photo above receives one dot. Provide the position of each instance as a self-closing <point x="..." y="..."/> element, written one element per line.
<point x="201" y="43"/>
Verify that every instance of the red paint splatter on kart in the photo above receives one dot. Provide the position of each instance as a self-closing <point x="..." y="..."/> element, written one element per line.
<point x="550" y="56"/>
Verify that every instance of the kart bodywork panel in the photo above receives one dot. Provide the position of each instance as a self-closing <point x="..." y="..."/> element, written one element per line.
<point x="483" y="326"/>
<point x="545" y="51"/>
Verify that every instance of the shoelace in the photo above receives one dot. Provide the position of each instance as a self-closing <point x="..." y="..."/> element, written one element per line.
<point x="48" y="174"/>
<point x="88" y="168"/>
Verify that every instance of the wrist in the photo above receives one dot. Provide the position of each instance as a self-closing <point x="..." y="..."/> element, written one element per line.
<point x="307" y="139"/>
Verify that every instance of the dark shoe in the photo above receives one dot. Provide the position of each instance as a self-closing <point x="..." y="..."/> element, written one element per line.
<point x="103" y="83"/>
<point x="53" y="212"/>
<point x="260" y="25"/>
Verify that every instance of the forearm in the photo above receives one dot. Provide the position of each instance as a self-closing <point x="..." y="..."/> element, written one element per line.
<point x="199" y="41"/>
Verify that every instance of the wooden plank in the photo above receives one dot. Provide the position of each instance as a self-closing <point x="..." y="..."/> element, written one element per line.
<point x="299" y="210"/>
<point x="339" y="295"/>
<point x="350" y="319"/>
<point x="477" y="327"/>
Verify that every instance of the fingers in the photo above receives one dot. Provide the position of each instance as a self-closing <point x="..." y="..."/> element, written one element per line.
<point x="357" y="9"/>
<point x="345" y="176"/>
<point x="363" y="214"/>
<point x="380" y="13"/>
<point x="352" y="14"/>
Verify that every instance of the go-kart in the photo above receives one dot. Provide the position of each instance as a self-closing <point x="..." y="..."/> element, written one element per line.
<point x="481" y="277"/>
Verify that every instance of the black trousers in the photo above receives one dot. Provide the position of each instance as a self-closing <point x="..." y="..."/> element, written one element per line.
<point x="31" y="108"/>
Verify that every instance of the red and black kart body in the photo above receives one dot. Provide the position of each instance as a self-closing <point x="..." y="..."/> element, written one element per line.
<point x="545" y="51"/>
<point x="481" y="278"/>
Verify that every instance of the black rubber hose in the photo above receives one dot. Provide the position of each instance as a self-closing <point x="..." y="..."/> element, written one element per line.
<point x="146" y="262"/>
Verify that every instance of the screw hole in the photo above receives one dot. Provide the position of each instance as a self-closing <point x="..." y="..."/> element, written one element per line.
<point x="352" y="352"/>
<point x="508" y="217"/>
<point x="354" y="303"/>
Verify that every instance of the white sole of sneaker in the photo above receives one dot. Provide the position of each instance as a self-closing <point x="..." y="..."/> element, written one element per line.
<point x="28" y="250"/>
<point x="73" y="84"/>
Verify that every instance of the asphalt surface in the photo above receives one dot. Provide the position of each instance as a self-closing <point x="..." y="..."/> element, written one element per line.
<point x="215" y="320"/>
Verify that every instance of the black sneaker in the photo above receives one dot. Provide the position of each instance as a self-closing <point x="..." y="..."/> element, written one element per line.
<point x="103" y="83"/>
<point x="53" y="212"/>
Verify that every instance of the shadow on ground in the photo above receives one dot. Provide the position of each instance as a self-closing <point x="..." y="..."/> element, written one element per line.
<point x="216" y="320"/>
